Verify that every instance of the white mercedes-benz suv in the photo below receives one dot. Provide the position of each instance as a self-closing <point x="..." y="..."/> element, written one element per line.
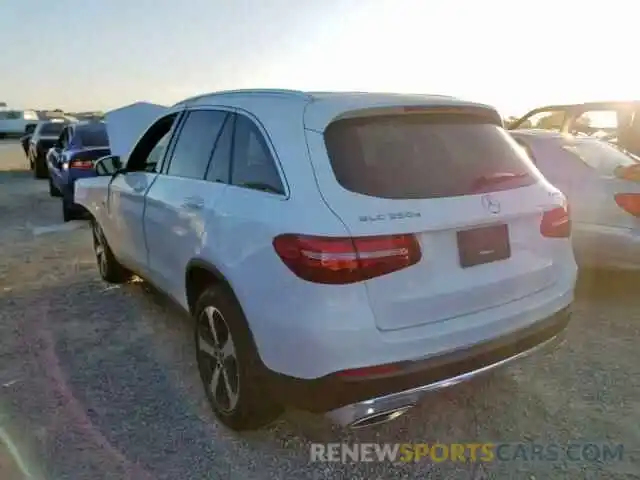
<point x="343" y="253"/>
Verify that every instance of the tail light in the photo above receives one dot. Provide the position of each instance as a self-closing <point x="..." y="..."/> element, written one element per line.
<point x="85" y="164"/>
<point x="629" y="202"/>
<point x="342" y="260"/>
<point x="556" y="223"/>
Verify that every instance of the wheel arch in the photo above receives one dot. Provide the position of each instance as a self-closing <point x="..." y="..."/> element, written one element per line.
<point x="200" y="274"/>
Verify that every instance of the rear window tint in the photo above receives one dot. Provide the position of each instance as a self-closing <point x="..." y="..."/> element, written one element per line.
<point x="52" y="128"/>
<point x="425" y="156"/>
<point x="94" y="136"/>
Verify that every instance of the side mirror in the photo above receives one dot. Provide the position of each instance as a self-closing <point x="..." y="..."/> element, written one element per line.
<point x="109" y="165"/>
<point x="28" y="130"/>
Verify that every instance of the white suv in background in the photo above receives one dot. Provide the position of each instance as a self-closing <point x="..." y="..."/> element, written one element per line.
<point x="342" y="253"/>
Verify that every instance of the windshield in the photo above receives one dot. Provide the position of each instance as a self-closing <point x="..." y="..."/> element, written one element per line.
<point x="52" y="129"/>
<point x="601" y="156"/>
<point x="424" y="156"/>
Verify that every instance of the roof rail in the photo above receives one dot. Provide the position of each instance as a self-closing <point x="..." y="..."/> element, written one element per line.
<point x="270" y="91"/>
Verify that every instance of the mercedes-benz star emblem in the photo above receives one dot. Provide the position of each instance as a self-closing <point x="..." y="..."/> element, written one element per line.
<point x="491" y="204"/>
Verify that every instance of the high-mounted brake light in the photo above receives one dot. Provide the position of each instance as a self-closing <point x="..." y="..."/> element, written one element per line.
<point x="629" y="202"/>
<point x="556" y="223"/>
<point x="342" y="260"/>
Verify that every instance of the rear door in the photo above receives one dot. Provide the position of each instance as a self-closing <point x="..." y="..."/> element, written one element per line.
<point x="461" y="185"/>
<point x="181" y="201"/>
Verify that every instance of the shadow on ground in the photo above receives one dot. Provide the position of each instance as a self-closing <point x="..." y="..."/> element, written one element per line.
<point x="108" y="384"/>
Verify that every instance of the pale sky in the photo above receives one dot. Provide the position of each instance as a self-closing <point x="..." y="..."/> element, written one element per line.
<point x="101" y="54"/>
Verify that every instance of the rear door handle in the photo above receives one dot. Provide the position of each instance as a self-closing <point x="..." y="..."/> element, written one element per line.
<point x="193" y="203"/>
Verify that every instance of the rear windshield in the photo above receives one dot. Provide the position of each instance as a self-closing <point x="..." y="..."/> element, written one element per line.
<point x="51" y="129"/>
<point x="601" y="156"/>
<point x="93" y="137"/>
<point x="425" y="156"/>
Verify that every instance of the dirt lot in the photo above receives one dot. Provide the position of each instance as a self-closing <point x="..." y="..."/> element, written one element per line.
<point x="99" y="382"/>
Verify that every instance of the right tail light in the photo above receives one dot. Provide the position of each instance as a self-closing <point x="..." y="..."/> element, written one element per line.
<point x="556" y="223"/>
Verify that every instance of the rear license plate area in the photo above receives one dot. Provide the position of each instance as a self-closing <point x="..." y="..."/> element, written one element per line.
<point x="482" y="245"/>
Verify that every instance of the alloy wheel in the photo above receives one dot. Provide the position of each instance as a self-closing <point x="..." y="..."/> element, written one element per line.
<point x="217" y="359"/>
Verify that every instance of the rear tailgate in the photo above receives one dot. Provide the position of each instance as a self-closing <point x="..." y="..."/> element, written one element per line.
<point x="443" y="175"/>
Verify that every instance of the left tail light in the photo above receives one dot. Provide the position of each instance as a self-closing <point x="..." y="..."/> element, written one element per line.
<point x="556" y="223"/>
<point x="84" y="164"/>
<point x="342" y="260"/>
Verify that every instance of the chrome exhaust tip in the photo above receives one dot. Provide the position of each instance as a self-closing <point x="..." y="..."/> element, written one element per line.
<point x="379" y="417"/>
<point x="368" y="413"/>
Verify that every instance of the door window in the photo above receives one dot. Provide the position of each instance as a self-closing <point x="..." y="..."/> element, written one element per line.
<point x="154" y="160"/>
<point x="195" y="143"/>
<point x="220" y="164"/>
<point x="149" y="152"/>
<point x="252" y="165"/>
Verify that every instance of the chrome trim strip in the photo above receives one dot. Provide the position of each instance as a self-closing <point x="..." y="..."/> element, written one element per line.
<point x="357" y="413"/>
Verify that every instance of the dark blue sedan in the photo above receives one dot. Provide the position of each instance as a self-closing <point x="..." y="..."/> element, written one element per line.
<point x="72" y="157"/>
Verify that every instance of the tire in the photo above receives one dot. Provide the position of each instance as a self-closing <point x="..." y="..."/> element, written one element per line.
<point x="39" y="168"/>
<point x="232" y="352"/>
<point x="53" y="191"/>
<point x="109" y="268"/>
<point x="68" y="213"/>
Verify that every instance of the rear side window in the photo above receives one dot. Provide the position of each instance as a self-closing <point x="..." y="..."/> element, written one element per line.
<point x="424" y="156"/>
<point x="252" y="164"/>
<point x="10" y="115"/>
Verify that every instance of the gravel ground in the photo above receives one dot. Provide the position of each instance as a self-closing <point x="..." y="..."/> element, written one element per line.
<point x="100" y="382"/>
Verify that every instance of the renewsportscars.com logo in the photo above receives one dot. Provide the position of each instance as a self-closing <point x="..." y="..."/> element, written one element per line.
<point x="579" y="452"/>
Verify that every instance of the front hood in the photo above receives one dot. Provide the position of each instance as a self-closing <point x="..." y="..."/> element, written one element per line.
<point x="126" y="125"/>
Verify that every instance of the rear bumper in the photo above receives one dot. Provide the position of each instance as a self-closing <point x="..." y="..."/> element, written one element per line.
<point x="346" y="401"/>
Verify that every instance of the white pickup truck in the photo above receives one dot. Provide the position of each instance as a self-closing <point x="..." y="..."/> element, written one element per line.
<point x="14" y="122"/>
